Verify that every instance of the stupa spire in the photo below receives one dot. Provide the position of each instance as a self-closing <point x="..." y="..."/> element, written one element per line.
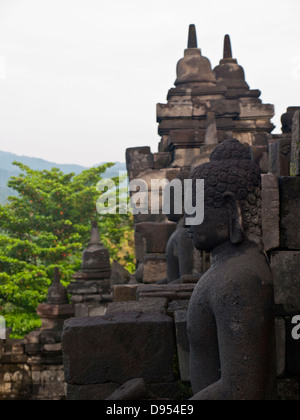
<point x="95" y="236"/>
<point x="227" y="48"/>
<point x="192" y="40"/>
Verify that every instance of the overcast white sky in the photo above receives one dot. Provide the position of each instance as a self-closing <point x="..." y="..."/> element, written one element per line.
<point x="80" y="79"/>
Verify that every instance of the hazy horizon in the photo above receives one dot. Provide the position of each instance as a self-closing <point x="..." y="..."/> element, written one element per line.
<point x="79" y="81"/>
<point x="60" y="163"/>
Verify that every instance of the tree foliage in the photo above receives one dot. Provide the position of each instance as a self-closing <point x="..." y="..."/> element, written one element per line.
<point x="47" y="225"/>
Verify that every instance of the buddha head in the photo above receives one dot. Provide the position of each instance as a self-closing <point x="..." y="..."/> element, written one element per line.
<point x="232" y="198"/>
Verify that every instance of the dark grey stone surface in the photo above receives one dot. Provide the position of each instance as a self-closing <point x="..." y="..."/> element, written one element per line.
<point x="285" y="266"/>
<point x="95" y="392"/>
<point x="280" y="156"/>
<point x="280" y="345"/>
<point x="168" y="390"/>
<point x="287" y="119"/>
<point x="133" y="390"/>
<point x="119" y="275"/>
<point x="295" y="154"/>
<point x="156" y="235"/>
<point x="290" y="212"/>
<point x="162" y="160"/>
<point x="144" y="305"/>
<point x="270" y="211"/>
<point x="288" y="389"/>
<point x="118" y="348"/>
<point x="183" y="346"/>
<point x="138" y="160"/>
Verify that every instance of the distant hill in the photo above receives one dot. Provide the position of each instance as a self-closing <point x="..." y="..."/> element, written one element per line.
<point x="7" y="169"/>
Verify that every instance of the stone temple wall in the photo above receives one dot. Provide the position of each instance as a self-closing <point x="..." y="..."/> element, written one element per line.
<point x="32" y="368"/>
<point x="31" y="373"/>
<point x="285" y="263"/>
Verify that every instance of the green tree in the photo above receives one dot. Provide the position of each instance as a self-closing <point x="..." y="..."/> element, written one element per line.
<point x="47" y="225"/>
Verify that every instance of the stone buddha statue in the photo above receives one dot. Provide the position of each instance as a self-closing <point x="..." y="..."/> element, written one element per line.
<point x="230" y="316"/>
<point x="180" y="247"/>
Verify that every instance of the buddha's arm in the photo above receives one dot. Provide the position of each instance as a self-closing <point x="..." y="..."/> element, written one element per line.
<point x="244" y="317"/>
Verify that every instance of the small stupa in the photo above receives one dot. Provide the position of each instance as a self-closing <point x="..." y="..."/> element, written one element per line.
<point x="57" y="308"/>
<point x="95" y="258"/>
<point x="229" y="71"/>
<point x="91" y="290"/>
<point x="194" y="68"/>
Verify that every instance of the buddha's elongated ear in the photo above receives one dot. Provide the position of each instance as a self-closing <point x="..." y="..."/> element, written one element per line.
<point x="235" y="216"/>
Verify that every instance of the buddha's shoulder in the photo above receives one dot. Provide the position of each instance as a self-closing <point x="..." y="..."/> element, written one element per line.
<point x="251" y="267"/>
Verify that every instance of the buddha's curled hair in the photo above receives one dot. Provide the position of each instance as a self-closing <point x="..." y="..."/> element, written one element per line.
<point x="232" y="170"/>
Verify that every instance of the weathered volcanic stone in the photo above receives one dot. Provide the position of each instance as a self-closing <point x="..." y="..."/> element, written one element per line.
<point x="287" y="119"/>
<point x="288" y="389"/>
<point x="158" y="175"/>
<point x="280" y="345"/>
<point x="295" y="157"/>
<point x="167" y="391"/>
<point x="166" y="291"/>
<point x="95" y="392"/>
<point x="82" y="287"/>
<point x="155" y="268"/>
<point x="143" y="305"/>
<point x="270" y="211"/>
<point x="45" y="310"/>
<point x="124" y="293"/>
<point x="138" y="159"/>
<point x="108" y="349"/>
<point x="131" y="390"/>
<point x="119" y="275"/>
<point x="183" y="346"/>
<point x="290" y="212"/>
<point x="285" y="266"/>
<point x="156" y="235"/>
<point x="162" y="160"/>
<point x="280" y="156"/>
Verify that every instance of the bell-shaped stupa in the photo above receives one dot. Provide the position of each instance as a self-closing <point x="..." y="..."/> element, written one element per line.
<point x="229" y="71"/>
<point x="194" y="68"/>
<point x="57" y="293"/>
<point x="91" y="289"/>
<point x="95" y="258"/>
